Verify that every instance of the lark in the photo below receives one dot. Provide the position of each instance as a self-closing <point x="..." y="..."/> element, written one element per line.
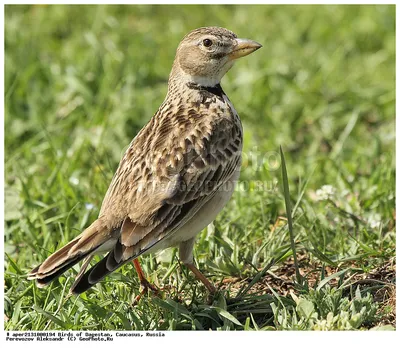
<point x="177" y="174"/>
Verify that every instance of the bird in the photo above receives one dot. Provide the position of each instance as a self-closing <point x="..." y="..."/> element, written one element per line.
<point x="177" y="174"/>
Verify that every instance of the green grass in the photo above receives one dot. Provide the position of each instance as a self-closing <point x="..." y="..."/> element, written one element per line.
<point x="80" y="81"/>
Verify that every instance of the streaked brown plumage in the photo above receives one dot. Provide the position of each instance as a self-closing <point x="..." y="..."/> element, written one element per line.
<point x="177" y="174"/>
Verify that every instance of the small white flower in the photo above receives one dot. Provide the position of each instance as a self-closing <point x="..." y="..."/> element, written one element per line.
<point x="74" y="180"/>
<point x="374" y="220"/>
<point x="325" y="192"/>
<point x="89" y="206"/>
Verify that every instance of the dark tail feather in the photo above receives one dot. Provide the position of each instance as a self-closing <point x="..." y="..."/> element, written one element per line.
<point x="104" y="267"/>
<point x="100" y="270"/>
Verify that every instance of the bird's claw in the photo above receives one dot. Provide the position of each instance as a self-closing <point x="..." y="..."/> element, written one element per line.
<point x="146" y="286"/>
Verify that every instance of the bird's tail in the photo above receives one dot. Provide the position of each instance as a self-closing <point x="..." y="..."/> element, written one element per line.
<point x="100" y="270"/>
<point x="93" y="238"/>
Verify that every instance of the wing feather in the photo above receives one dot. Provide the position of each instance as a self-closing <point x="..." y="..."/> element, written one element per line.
<point x="166" y="185"/>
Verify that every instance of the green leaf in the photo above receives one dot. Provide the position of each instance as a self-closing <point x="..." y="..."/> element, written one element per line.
<point x="246" y="326"/>
<point x="383" y="328"/>
<point x="16" y="312"/>
<point x="54" y="319"/>
<point x="305" y="307"/>
<point x="125" y="322"/>
<point x="332" y="276"/>
<point x="289" y="214"/>
<point x="14" y="265"/>
<point x="227" y="315"/>
<point x="172" y="306"/>
<point x="320" y="255"/>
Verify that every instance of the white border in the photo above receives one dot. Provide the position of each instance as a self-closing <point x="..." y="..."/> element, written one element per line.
<point x="231" y="338"/>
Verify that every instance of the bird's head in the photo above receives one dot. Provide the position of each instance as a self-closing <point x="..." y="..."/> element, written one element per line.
<point x="206" y="54"/>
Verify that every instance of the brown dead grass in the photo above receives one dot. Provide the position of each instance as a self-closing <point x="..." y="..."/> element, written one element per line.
<point x="380" y="282"/>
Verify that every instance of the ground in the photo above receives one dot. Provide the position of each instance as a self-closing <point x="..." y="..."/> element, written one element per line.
<point x="80" y="82"/>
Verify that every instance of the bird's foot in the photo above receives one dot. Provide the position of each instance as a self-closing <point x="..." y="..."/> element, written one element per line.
<point x="145" y="287"/>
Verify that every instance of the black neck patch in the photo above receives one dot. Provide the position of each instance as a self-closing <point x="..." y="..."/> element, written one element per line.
<point x="208" y="92"/>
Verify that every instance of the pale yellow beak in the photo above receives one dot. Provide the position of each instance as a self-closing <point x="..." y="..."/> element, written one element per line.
<point x="243" y="48"/>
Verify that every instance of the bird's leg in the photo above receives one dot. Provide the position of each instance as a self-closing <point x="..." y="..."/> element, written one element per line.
<point x="142" y="278"/>
<point x="186" y="255"/>
<point x="145" y="284"/>
<point x="200" y="276"/>
<point x="81" y="272"/>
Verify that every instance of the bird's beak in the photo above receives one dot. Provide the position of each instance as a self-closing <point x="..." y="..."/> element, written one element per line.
<point x="244" y="47"/>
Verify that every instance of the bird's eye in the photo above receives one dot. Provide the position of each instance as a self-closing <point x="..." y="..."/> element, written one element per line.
<point x="207" y="42"/>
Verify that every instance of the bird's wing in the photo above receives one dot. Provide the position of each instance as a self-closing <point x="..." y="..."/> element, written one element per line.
<point x="154" y="200"/>
<point x="176" y="178"/>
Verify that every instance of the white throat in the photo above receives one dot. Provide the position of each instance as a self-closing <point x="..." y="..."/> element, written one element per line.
<point x="201" y="80"/>
<point x="210" y="80"/>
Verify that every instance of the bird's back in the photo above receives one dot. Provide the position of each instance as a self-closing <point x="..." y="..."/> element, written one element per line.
<point x="193" y="129"/>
